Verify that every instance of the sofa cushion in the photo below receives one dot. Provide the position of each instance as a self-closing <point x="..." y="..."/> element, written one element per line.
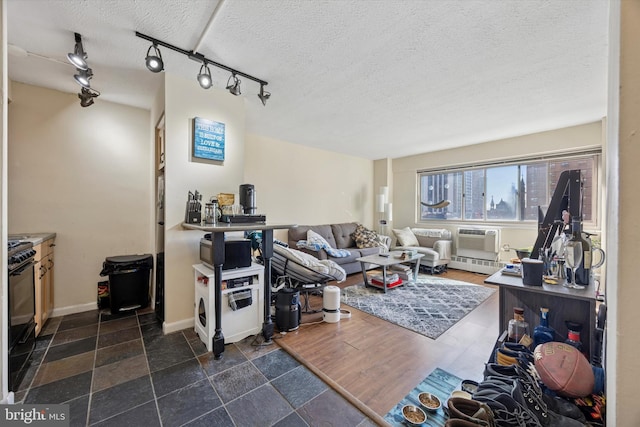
<point x="315" y="238"/>
<point x="316" y="242"/>
<point x="425" y="241"/>
<point x="365" y="238"/>
<point x="429" y="236"/>
<point x="353" y="254"/>
<point x="300" y="233"/>
<point x="342" y="234"/>
<point x="406" y="237"/>
<point x="429" y="254"/>
<point x="368" y="251"/>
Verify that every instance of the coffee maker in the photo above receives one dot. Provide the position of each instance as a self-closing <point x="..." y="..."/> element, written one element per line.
<point x="247" y="194"/>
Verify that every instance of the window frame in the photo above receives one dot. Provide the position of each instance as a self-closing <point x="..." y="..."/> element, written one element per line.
<point x="595" y="155"/>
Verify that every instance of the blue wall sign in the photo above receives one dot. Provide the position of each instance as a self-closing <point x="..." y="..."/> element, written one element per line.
<point x="208" y="139"/>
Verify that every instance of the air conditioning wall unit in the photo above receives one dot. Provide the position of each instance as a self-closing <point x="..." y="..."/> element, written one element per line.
<point x="478" y="243"/>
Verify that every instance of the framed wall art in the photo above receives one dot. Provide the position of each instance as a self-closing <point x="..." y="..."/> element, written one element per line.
<point x="208" y="139"/>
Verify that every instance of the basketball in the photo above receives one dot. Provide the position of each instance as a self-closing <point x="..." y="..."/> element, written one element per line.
<point x="563" y="369"/>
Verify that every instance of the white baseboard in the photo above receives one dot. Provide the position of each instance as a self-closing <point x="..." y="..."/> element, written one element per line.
<point x="9" y="399"/>
<point x="72" y="309"/>
<point x="168" y="328"/>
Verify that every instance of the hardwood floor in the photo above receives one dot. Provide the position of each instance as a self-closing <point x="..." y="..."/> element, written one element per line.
<point x="376" y="363"/>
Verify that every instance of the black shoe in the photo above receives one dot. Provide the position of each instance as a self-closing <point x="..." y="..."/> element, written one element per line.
<point x="529" y="398"/>
<point x="506" y="411"/>
<point x="556" y="404"/>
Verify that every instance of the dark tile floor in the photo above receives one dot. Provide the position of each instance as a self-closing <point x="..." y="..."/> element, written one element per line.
<point x="122" y="371"/>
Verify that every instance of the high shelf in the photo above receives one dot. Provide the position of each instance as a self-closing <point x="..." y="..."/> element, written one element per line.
<point x="577" y="305"/>
<point x="237" y="324"/>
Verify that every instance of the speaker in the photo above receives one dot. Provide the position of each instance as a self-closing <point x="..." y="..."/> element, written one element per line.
<point x="288" y="310"/>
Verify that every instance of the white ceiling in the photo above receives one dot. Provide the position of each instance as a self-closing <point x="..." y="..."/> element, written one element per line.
<point x="375" y="79"/>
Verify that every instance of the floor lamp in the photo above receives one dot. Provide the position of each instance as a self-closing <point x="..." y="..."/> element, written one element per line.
<point x="383" y="208"/>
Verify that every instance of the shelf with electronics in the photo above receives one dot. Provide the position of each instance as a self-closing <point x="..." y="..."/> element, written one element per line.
<point x="242" y="302"/>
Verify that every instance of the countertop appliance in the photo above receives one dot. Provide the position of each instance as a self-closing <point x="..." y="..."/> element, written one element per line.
<point x="22" y="309"/>
<point x="248" y="198"/>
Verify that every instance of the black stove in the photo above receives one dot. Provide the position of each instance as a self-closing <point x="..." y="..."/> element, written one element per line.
<point x="19" y="252"/>
<point x="21" y="302"/>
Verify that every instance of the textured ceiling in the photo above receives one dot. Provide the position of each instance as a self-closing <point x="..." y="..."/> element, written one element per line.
<point x="369" y="78"/>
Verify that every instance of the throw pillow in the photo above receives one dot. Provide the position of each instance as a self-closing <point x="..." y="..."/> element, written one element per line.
<point x="315" y="238"/>
<point x="406" y="237"/>
<point x="365" y="238"/>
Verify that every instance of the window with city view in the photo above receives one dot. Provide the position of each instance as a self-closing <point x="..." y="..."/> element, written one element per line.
<point x="509" y="192"/>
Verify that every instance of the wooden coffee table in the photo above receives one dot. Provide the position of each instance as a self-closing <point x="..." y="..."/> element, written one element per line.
<point x="384" y="261"/>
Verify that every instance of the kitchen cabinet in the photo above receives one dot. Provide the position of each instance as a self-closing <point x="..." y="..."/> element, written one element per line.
<point x="44" y="282"/>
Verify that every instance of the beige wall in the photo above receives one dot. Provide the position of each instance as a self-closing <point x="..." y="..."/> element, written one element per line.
<point x="184" y="100"/>
<point x="4" y="345"/>
<point x="623" y="369"/>
<point x="405" y="180"/>
<point x="302" y="185"/>
<point x="82" y="173"/>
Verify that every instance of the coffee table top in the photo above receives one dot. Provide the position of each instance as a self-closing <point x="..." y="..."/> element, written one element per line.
<point x="393" y="258"/>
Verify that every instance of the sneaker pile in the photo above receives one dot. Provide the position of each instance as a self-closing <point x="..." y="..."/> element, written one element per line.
<point x="511" y="395"/>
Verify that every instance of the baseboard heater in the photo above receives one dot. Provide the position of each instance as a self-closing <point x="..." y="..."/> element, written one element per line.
<point x="478" y="243"/>
<point x="475" y="265"/>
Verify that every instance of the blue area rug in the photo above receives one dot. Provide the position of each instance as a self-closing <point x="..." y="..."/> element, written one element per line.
<point x="429" y="306"/>
<point x="440" y="383"/>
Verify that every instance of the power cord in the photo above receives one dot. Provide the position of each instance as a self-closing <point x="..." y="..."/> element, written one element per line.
<point x="312" y="323"/>
<point x="263" y="343"/>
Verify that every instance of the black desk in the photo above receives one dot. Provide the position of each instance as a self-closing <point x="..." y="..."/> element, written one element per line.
<point x="217" y="246"/>
<point x="578" y="305"/>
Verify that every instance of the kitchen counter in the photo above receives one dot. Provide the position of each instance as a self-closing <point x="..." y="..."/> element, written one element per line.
<point x="35" y="238"/>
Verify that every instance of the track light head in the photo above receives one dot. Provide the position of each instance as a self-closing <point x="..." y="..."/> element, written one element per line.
<point x="263" y="95"/>
<point x="154" y="62"/>
<point x="234" y="86"/>
<point x="86" y="96"/>
<point x="83" y="77"/>
<point x="204" y="77"/>
<point x="79" y="57"/>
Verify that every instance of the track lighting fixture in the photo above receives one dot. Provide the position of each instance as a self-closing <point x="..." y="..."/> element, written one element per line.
<point x="155" y="64"/>
<point x="85" y="73"/>
<point x="86" y="96"/>
<point x="234" y="86"/>
<point x="263" y="95"/>
<point x="78" y="58"/>
<point x="83" y="77"/>
<point x="204" y="77"/>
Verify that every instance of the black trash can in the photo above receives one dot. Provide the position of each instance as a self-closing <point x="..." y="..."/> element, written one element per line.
<point x="129" y="277"/>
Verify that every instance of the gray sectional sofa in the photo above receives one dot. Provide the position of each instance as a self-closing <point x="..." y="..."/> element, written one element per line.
<point x="339" y="237"/>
